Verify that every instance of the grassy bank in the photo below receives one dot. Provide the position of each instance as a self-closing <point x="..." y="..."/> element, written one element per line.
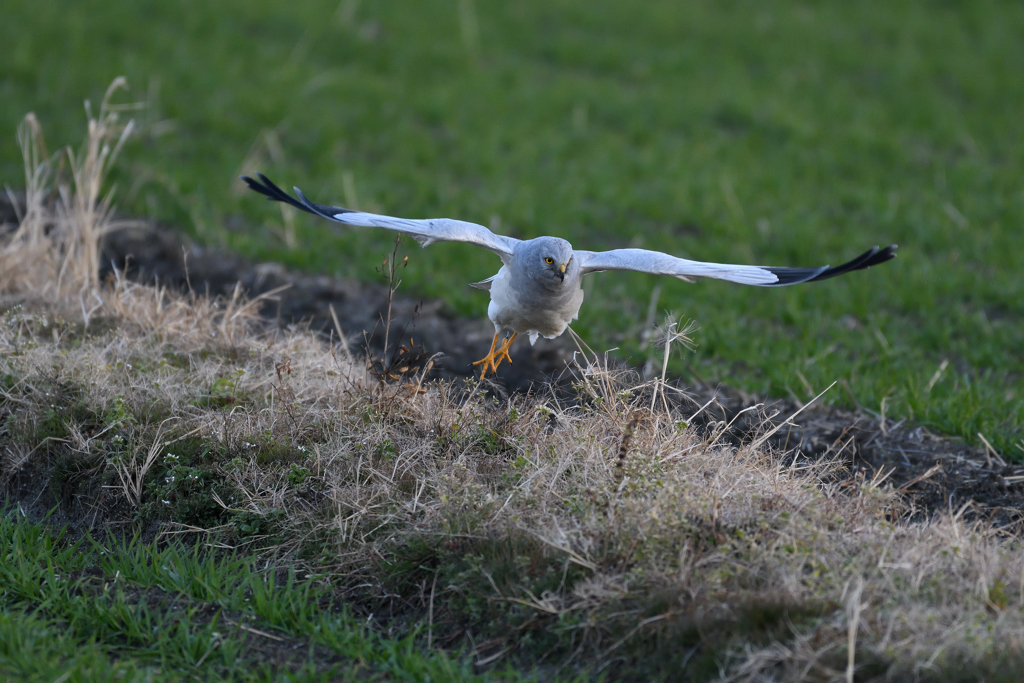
<point x="797" y="134"/>
<point x="281" y="489"/>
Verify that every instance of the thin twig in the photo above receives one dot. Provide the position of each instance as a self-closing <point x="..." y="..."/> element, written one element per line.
<point x="789" y="420"/>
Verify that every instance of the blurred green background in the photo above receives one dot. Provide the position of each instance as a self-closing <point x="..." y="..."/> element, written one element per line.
<point x="785" y="133"/>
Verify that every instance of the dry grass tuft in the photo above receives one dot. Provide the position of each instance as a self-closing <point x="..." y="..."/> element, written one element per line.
<point x="601" y="532"/>
<point x="54" y="253"/>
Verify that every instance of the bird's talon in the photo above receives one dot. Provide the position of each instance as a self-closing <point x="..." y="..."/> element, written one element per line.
<point x="494" y="357"/>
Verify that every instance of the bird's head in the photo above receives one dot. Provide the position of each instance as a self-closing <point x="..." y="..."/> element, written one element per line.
<point x="548" y="261"/>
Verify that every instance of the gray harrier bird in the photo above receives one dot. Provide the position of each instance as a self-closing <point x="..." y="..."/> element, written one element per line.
<point x="537" y="291"/>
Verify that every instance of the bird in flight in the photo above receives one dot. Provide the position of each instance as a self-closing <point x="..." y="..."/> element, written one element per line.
<point x="537" y="292"/>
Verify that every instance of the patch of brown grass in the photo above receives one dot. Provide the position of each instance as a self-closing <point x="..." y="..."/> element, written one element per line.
<point x="55" y="251"/>
<point x="599" y="532"/>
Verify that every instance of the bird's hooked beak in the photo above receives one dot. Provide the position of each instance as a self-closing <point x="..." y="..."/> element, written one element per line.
<point x="561" y="271"/>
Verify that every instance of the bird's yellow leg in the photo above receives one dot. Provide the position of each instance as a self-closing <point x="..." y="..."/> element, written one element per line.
<point x="488" y="360"/>
<point x="502" y="351"/>
<point x="493" y="359"/>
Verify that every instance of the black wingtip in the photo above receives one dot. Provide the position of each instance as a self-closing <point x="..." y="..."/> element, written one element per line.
<point x="266" y="187"/>
<point x="871" y="257"/>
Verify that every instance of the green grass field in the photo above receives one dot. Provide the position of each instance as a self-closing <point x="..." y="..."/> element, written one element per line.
<point x="130" y="611"/>
<point x="793" y="134"/>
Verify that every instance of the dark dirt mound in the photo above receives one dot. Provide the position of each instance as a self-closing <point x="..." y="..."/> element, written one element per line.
<point x="153" y="255"/>
<point x="941" y="472"/>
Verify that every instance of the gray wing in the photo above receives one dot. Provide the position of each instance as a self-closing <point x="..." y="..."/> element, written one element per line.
<point x="657" y="263"/>
<point x="425" y="231"/>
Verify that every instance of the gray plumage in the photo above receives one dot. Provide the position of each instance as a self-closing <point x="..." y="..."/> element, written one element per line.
<point x="537" y="290"/>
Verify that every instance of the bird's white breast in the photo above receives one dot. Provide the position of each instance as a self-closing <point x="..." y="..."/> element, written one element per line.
<point x="535" y="313"/>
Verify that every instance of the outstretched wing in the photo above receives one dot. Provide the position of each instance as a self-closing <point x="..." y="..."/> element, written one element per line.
<point x="657" y="263"/>
<point x="425" y="231"/>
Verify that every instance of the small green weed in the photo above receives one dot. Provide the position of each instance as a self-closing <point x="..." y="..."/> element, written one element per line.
<point x="297" y="475"/>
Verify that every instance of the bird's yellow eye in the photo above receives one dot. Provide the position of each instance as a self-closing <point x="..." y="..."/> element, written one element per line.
<point x="549" y="260"/>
